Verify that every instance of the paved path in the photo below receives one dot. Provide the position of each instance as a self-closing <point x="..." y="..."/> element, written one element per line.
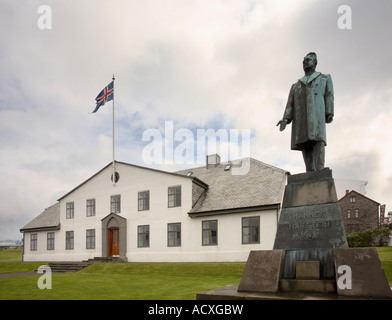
<point x="19" y="274"/>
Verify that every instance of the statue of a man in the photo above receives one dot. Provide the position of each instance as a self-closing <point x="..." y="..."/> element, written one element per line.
<point x="310" y="106"/>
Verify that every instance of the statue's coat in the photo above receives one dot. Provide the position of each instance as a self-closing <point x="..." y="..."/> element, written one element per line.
<point x="310" y="101"/>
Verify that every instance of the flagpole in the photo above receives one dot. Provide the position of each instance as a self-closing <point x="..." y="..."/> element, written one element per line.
<point x="114" y="168"/>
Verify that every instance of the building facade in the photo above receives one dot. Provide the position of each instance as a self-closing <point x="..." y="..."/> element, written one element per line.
<point x="148" y="215"/>
<point x="359" y="212"/>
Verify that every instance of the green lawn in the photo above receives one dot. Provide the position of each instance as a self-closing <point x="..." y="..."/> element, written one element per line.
<point x="147" y="281"/>
<point x="134" y="281"/>
<point x="385" y="254"/>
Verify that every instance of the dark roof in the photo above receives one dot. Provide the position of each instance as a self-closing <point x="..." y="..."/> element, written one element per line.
<point x="262" y="186"/>
<point x="49" y="219"/>
<point x="359" y="194"/>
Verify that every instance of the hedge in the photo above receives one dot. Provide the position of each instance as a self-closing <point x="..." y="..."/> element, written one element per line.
<point x="378" y="237"/>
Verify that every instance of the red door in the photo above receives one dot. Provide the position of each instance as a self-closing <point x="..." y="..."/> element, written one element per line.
<point x="114" y="243"/>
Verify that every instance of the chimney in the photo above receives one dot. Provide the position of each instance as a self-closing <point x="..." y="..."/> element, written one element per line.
<point x="212" y="160"/>
<point x="347" y="192"/>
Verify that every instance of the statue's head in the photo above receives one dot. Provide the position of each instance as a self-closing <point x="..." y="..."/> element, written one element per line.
<point x="310" y="62"/>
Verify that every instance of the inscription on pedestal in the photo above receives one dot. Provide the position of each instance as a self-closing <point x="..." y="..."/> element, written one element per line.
<point x="316" y="226"/>
<point x="308" y="224"/>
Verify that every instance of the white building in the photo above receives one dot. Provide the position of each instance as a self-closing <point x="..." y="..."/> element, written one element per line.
<point x="200" y="214"/>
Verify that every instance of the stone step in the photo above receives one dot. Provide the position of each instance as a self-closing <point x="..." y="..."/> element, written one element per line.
<point x="72" y="266"/>
<point x="106" y="260"/>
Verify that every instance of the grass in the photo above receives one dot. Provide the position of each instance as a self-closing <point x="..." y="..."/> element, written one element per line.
<point x="11" y="262"/>
<point x="385" y="254"/>
<point x="133" y="281"/>
<point x="11" y="255"/>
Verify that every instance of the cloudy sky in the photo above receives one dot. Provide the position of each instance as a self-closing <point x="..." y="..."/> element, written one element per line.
<point x="216" y="64"/>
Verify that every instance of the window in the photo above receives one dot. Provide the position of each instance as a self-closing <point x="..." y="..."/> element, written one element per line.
<point x="352" y="199"/>
<point x="90" y="207"/>
<point x="174" y="234"/>
<point x="115" y="204"/>
<point x="116" y="177"/>
<point x="69" y="210"/>
<point x="69" y="240"/>
<point x="90" y="239"/>
<point x="348" y="227"/>
<point x="250" y="230"/>
<point x="210" y="232"/>
<point x="174" y="197"/>
<point x="143" y="199"/>
<point x="143" y="236"/>
<point x="33" y="242"/>
<point x="356" y="213"/>
<point x="50" y="241"/>
<point x="348" y="213"/>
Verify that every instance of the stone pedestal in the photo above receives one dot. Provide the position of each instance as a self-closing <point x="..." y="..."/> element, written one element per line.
<point x="310" y="224"/>
<point x="311" y="253"/>
<point x="310" y="216"/>
<point x="310" y="245"/>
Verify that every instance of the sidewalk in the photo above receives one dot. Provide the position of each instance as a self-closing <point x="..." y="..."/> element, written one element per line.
<point x="19" y="274"/>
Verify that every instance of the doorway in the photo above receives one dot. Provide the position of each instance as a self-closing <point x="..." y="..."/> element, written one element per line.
<point x="114" y="236"/>
<point x="114" y="242"/>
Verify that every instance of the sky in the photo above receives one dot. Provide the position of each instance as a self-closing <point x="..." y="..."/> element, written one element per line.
<point x="192" y="64"/>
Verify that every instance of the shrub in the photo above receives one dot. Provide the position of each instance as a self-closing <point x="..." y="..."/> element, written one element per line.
<point x="377" y="237"/>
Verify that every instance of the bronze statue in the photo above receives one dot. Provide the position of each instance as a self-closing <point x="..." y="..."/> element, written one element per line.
<point x="310" y="106"/>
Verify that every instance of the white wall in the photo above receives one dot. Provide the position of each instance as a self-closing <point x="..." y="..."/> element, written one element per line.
<point x="228" y="249"/>
<point x="132" y="180"/>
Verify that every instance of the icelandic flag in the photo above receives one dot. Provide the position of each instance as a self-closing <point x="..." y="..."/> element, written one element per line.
<point x="104" y="96"/>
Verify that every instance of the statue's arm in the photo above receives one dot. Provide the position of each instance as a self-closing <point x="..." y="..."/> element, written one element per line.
<point x="329" y="100"/>
<point x="288" y="112"/>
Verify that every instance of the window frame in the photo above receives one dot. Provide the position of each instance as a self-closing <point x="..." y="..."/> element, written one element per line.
<point x="90" y="208"/>
<point x="174" y="199"/>
<point x="50" y="240"/>
<point x="176" y="233"/>
<point x="69" y="240"/>
<point x="143" y="201"/>
<point x="209" y="230"/>
<point x="90" y="238"/>
<point x="116" y="204"/>
<point x="146" y="232"/>
<point x="33" y="241"/>
<point x="70" y="210"/>
<point x="250" y="227"/>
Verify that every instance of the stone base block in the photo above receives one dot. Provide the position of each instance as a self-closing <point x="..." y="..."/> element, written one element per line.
<point x="363" y="267"/>
<point x="263" y="271"/>
<point x="314" y="286"/>
<point x="324" y="256"/>
<point x="307" y="270"/>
